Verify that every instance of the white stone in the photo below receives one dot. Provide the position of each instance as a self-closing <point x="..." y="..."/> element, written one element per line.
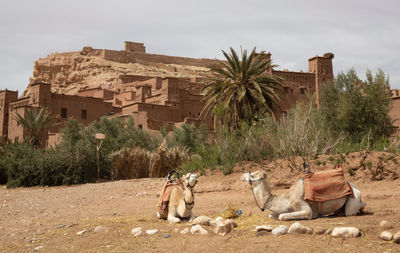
<point x="100" y="229"/>
<point x="385" y="225"/>
<point x="297" y="228"/>
<point x="141" y="194"/>
<point x="197" y="229"/>
<point x="396" y="237"/>
<point x="345" y="232"/>
<point x="136" y="231"/>
<point x="81" y="232"/>
<point x="220" y="226"/>
<point x="280" y="230"/>
<point x="151" y="231"/>
<point x="263" y="227"/>
<point x="386" y="235"/>
<point x="202" y="220"/>
<point x="38" y="248"/>
<point x="184" y="231"/>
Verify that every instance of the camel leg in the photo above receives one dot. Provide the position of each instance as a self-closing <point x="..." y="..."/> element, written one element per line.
<point x="172" y="216"/>
<point x="305" y="214"/>
<point x="354" y="205"/>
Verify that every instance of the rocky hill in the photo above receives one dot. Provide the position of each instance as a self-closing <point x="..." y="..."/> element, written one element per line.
<point x="91" y="68"/>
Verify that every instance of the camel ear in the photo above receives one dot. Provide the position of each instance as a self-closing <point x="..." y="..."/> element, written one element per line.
<point x="262" y="175"/>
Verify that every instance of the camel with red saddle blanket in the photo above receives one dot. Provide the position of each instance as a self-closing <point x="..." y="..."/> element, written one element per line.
<point x="177" y="198"/>
<point x="312" y="196"/>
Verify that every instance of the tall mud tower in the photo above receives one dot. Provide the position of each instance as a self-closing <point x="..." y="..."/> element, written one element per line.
<point x="321" y="66"/>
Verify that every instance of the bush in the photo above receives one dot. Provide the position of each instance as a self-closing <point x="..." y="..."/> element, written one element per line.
<point x="189" y="137"/>
<point x="22" y="165"/>
<point x="358" y="108"/>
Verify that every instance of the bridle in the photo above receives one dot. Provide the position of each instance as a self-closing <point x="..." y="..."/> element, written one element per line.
<point x="190" y="205"/>
<point x="269" y="199"/>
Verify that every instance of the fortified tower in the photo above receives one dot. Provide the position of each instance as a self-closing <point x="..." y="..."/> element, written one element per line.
<point x="6" y="96"/>
<point x="321" y="66"/>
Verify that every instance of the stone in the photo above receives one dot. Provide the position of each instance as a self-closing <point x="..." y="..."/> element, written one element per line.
<point x="328" y="231"/>
<point x="100" y="229"/>
<point x="202" y="220"/>
<point x="319" y="230"/>
<point x="220" y="226"/>
<point x="345" y="232"/>
<point x="151" y="231"/>
<point x="38" y="248"/>
<point x="185" y="231"/>
<point x="197" y="229"/>
<point x="166" y="236"/>
<point x="81" y="232"/>
<point x="396" y="237"/>
<point x="385" y="225"/>
<point x="280" y="230"/>
<point x="262" y="233"/>
<point x="298" y="228"/>
<point x="263" y="228"/>
<point x="137" y="231"/>
<point x="386" y="235"/>
<point x="141" y="194"/>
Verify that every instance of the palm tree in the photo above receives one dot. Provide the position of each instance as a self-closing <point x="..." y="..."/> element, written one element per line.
<point x="241" y="88"/>
<point x="34" y="122"/>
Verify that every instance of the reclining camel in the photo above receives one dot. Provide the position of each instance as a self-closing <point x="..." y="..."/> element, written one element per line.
<point x="180" y="201"/>
<point x="292" y="206"/>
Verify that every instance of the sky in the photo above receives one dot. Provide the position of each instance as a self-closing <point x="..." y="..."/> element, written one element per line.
<point x="363" y="34"/>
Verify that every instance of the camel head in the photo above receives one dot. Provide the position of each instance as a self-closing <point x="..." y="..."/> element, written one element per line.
<point x="190" y="180"/>
<point x="253" y="176"/>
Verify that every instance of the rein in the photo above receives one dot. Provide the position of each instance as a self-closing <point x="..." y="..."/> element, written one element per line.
<point x="190" y="205"/>
<point x="267" y="202"/>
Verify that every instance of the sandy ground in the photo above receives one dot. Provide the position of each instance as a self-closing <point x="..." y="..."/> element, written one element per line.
<point x="52" y="216"/>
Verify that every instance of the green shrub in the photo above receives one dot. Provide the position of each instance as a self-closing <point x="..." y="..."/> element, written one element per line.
<point x="189" y="137"/>
<point x="23" y="165"/>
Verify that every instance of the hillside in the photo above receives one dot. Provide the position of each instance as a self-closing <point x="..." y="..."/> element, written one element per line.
<point x="69" y="72"/>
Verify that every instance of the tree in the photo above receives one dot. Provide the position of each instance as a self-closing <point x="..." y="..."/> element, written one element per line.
<point x="241" y="89"/>
<point x="358" y="108"/>
<point x="33" y="122"/>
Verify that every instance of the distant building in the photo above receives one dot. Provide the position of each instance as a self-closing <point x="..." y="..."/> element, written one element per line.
<point x="151" y="101"/>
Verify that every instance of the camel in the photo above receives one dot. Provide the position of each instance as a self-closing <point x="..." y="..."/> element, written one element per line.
<point x="292" y="206"/>
<point x="181" y="200"/>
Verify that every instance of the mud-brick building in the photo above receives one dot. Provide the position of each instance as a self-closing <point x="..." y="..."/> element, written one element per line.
<point x="151" y="100"/>
<point x="60" y="106"/>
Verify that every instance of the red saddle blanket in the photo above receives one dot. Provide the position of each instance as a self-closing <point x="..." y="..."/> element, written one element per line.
<point x="326" y="185"/>
<point x="166" y="194"/>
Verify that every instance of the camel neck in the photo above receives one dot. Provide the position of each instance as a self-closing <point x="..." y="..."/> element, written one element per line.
<point x="188" y="197"/>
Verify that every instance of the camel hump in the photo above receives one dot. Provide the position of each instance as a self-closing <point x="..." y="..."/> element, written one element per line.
<point x="166" y="194"/>
<point x="326" y="185"/>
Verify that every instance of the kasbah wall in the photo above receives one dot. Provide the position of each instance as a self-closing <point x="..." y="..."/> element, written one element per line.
<point x="152" y="101"/>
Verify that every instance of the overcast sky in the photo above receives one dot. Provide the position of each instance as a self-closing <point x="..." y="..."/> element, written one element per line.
<point x="361" y="33"/>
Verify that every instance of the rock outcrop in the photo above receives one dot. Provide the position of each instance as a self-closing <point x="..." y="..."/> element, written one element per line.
<point x="92" y="68"/>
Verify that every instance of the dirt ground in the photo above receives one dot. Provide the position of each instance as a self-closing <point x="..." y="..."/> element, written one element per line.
<point x="52" y="216"/>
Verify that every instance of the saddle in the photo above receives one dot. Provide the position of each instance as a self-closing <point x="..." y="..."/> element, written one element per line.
<point x="166" y="194"/>
<point x="326" y="185"/>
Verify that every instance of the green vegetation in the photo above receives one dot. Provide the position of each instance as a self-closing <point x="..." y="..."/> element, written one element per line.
<point x="240" y="90"/>
<point x="358" y="108"/>
<point x="33" y="122"/>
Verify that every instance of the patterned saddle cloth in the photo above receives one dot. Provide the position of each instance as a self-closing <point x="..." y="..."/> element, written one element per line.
<point x="165" y="196"/>
<point x="326" y="185"/>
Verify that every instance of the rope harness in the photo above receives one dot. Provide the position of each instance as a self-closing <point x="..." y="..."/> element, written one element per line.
<point x="190" y="205"/>
<point x="269" y="199"/>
